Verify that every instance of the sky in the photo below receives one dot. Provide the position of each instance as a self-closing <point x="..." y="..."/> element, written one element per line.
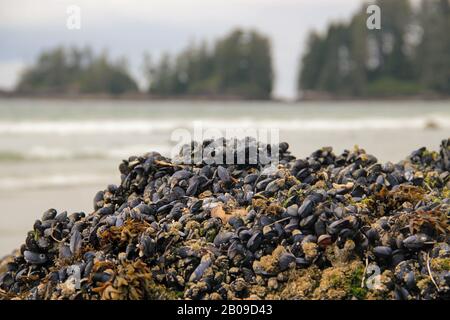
<point x="130" y="28"/>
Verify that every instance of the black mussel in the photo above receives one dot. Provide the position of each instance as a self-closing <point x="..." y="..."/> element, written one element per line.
<point x="43" y="243"/>
<point x="164" y="208"/>
<point x="291" y="226"/>
<point x="88" y="256"/>
<point x="244" y="234"/>
<point x="302" y="262"/>
<point x="101" y="277"/>
<point x="250" y="178"/>
<point x="306" y="208"/>
<point x="300" y="164"/>
<point x="50" y="214"/>
<point x="223" y="238"/>
<point x="105" y="211"/>
<point x="181" y="175"/>
<point x="143" y="208"/>
<point x="176" y="212"/>
<point x="98" y="200"/>
<point x="255" y="241"/>
<point x="401" y="293"/>
<point x="34" y="257"/>
<point x="346" y="234"/>
<point x="64" y="252"/>
<point x="131" y="251"/>
<point x="235" y="222"/>
<point x="236" y="251"/>
<point x="416" y="242"/>
<point x="147" y="246"/>
<point x="380" y="180"/>
<point x="320" y="227"/>
<point x="223" y="174"/>
<point x="382" y="252"/>
<point x="283" y="147"/>
<point x="61" y="217"/>
<point x="358" y="191"/>
<point x="292" y="210"/>
<point x="297" y="236"/>
<point x="111" y="220"/>
<point x="193" y="186"/>
<point x="338" y="225"/>
<point x="6" y="281"/>
<point x="372" y="235"/>
<point x="75" y="242"/>
<point x="398" y="256"/>
<point x="308" y="222"/>
<point x="196" y="206"/>
<point x="302" y="174"/>
<point x="309" y="238"/>
<point x="272" y="187"/>
<point x="392" y="180"/>
<point x="261" y="185"/>
<point x="286" y="261"/>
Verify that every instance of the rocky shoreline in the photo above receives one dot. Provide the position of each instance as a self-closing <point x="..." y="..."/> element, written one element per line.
<point x="325" y="227"/>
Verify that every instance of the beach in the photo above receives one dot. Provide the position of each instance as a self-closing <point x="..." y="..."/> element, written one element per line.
<point x="58" y="153"/>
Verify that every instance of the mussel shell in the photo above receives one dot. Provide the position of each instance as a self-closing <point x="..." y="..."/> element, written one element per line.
<point x="34" y="257"/>
<point x="306" y="208"/>
<point x="222" y="238"/>
<point x="415" y="242"/>
<point x="50" y="214"/>
<point x="75" y="242"/>
<point x="255" y="241"/>
<point x="382" y="252"/>
<point x="285" y="261"/>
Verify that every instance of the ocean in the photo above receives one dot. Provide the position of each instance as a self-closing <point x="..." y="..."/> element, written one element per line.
<point x="58" y="153"/>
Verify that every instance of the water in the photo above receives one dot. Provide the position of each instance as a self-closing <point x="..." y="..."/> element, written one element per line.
<point x="57" y="153"/>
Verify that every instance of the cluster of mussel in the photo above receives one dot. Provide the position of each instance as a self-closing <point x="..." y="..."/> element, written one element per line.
<point x="325" y="227"/>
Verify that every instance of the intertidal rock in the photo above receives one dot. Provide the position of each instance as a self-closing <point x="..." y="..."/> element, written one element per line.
<point x="325" y="227"/>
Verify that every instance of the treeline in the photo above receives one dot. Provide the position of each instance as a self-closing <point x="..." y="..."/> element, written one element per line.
<point x="74" y="71"/>
<point x="238" y="65"/>
<point x="409" y="55"/>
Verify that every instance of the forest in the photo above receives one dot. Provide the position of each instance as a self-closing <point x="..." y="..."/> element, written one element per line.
<point x="76" y="71"/>
<point x="409" y="55"/>
<point x="237" y="65"/>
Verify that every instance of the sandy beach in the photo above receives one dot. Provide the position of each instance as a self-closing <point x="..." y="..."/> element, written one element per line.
<point x="20" y="210"/>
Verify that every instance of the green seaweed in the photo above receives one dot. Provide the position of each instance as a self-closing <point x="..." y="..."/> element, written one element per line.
<point x="355" y="284"/>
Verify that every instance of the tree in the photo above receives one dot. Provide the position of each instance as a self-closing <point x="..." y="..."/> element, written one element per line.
<point x="391" y="39"/>
<point x="239" y="64"/>
<point x="351" y="60"/>
<point x="244" y="64"/>
<point x="312" y="62"/>
<point x="73" y="70"/>
<point x="433" y="56"/>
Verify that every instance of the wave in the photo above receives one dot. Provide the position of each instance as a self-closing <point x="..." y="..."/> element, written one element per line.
<point x="52" y="181"/>
<point x="109" y="127"/>
<point x="86" y="153"/>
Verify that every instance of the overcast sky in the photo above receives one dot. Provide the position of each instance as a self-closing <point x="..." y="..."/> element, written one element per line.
<point x="128" y="28"/>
